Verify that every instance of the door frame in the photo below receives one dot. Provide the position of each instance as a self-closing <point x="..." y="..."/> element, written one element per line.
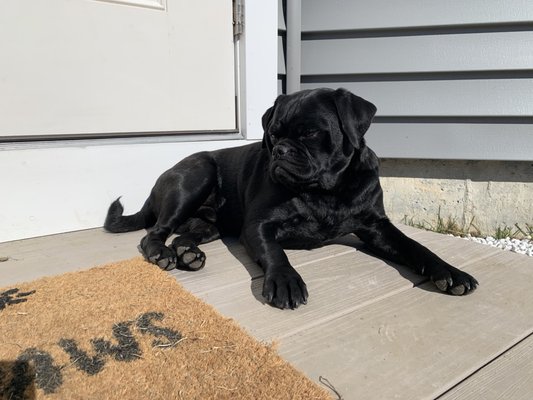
<point x="257" y="65"/>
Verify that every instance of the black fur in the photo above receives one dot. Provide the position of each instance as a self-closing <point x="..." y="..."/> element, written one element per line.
<point x="311" y="179"/>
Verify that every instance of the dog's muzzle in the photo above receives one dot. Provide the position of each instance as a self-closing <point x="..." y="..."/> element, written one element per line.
<point x="281" y="150"/>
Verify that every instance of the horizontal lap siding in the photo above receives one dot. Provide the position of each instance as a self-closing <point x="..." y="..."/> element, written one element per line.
<point x="336" y="15"/>
<point x="421" y="54"/>
<point x="451" y="80"/>
<point x="451" y="140"/>
<point x="470" y="97"/>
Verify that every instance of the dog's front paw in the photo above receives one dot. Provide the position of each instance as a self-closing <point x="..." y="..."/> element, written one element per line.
<point x="285" y="289"/>
<point x="454" y="281"/>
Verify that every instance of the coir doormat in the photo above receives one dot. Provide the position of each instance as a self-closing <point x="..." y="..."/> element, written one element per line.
<point x="129" y="331"/>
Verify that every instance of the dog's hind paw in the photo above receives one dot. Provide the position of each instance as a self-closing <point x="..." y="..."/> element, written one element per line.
<point x="189" y="255"/>
<point x="166" y="259"/>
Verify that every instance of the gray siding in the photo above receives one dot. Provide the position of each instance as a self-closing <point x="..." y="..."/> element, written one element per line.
<point x="346" y="15"/>
<point x="451" y="80"/>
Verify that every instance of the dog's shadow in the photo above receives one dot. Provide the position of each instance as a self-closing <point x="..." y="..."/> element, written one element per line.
<point x="405" y="272"/>
<point x="359" y="245"/>
<point x="256" y="273"/>
<point x="238" y="251"/>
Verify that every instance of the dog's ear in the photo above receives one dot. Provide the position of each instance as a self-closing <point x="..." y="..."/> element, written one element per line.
<point x="266" y="120"/>
<point x="355" y="115"/>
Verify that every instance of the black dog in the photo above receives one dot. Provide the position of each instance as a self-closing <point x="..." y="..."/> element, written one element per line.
<point x="312" y="179"/>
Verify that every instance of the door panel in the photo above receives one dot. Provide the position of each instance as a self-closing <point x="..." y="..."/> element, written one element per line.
<point x="90" y="66"/>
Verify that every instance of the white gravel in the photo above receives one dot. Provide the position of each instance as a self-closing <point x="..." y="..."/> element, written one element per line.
<point x="524" y="246"/>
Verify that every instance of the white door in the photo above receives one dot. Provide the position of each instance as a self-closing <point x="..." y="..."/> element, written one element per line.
<point x="70" y="67"/>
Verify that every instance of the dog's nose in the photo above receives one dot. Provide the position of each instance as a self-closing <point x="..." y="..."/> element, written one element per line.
<point x="280" y="150"/>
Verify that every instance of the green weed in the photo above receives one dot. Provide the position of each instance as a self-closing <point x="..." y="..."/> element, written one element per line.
<point x="450" y="225"/>
<point x="446" y="226"/>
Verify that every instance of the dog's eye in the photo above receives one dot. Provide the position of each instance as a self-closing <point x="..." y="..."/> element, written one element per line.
<point x="310" y="134"/>
<point x="273" y="138"/>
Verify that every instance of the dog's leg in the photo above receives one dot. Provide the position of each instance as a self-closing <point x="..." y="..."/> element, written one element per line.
<point x="178" y="194"/>
<point x="283" y="287"/>
<point x="387" y="241"/>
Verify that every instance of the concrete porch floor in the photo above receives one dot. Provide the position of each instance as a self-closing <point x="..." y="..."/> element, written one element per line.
<point x="373" y="329"/>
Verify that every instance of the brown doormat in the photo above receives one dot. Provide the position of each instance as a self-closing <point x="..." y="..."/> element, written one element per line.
<point x="129" y="331"/>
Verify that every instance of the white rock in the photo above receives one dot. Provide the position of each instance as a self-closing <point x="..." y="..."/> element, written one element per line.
<point x="524" y="246"/>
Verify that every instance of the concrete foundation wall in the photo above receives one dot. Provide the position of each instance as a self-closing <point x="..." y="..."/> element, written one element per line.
<point x="490" y="194"/>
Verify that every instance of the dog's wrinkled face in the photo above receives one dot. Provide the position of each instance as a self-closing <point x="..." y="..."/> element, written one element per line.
<point x="312" y="136"/>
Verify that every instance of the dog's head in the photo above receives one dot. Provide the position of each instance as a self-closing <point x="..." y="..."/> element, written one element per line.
<point x="312" y="136"/>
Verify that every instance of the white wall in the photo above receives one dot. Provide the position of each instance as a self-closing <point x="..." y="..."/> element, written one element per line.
<point x="61" y="187"/>
<point x="56" y="190"/>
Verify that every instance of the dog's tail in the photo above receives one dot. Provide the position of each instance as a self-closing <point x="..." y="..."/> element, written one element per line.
<point x="115" y="222"/>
